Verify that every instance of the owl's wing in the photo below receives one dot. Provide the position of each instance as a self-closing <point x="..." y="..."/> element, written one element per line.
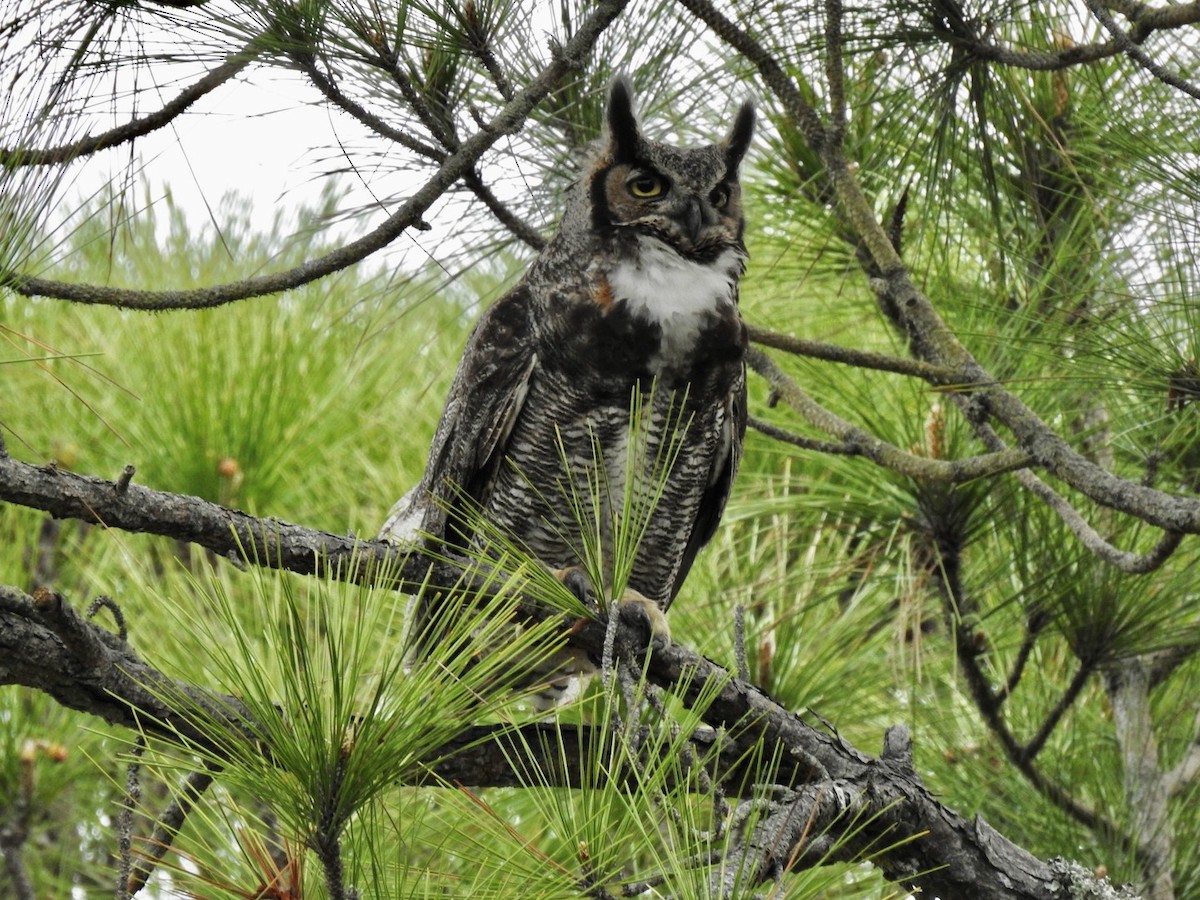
<point x="488" y="392"/>
<point x="720" y="480"/>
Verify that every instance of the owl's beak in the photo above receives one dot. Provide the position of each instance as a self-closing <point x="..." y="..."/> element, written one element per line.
<point x="694" y="217"/>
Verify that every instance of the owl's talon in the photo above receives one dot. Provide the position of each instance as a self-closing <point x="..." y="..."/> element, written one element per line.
<point x="575" y="581"/>
<point x="648" y="614"/>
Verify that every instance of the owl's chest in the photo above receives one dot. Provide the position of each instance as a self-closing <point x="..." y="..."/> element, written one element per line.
<point x="657" y="315"/>
<point x="690" y="305"/>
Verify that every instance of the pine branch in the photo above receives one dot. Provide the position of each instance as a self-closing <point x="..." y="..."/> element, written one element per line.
<point x="931" y="339"/>
<point x="306" y="63"/>
<point x="1092" y="540"/>
<point x="1129" y="46"/>
<point x="409" y="215"/>
<point x="1145" y="20"/>
<point x="876" y="449"/>
<point x="17" y="157"/>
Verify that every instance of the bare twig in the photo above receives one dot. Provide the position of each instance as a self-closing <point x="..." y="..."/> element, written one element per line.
<point x="861" y="359"/>
<point x="114" y="609"/>
<point x="439" y="125"/>
<point x="1146" y="19"/>
<point x="1033" y="628"/>
<point x="167" y="827"/>
<point x="799" y="440"/>
<point x="133" y="796"/>
<point x="265" y="542"/>
<point x="1043" y="60"/>
<point x="1035" y="744"/>
<point x="126" y="476"/>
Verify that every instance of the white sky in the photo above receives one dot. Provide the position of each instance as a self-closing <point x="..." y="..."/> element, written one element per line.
<point x="254" y="137"/>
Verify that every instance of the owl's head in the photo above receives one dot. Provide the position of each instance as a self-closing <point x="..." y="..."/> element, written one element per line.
<point x="687" y="197"/>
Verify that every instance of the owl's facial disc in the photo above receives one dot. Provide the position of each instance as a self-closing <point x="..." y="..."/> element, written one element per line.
<point x="697" y="220"/>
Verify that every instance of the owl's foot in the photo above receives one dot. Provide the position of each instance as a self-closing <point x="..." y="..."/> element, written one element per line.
<point x="576" y="581"/>
<point x="648" y="613"/>
<point x="637" y="609"/>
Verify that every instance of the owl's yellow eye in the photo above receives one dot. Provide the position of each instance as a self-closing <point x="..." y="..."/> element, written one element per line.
<point x="719" y="196"/>
<point x="646" y="186"/>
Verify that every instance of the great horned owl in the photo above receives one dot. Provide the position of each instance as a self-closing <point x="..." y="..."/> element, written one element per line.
<point x="636" y="296"/>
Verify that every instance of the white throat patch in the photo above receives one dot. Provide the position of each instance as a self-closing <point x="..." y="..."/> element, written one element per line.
<point x="675" y="293"/>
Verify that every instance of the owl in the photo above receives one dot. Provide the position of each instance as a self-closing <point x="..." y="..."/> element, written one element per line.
<point x="610" y="381"/>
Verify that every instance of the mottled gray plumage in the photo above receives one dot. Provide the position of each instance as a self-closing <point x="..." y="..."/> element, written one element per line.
<point x="636" y="293"/>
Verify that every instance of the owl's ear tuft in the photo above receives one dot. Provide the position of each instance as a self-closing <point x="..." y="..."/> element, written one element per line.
<point x="624" y="135"/>
<point x="738" y="140"/>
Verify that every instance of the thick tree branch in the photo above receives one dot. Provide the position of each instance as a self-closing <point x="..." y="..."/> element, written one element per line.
<point x="44" y="644"/>
<point x="226" y="532"/>
<point x="507" y="121"/>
